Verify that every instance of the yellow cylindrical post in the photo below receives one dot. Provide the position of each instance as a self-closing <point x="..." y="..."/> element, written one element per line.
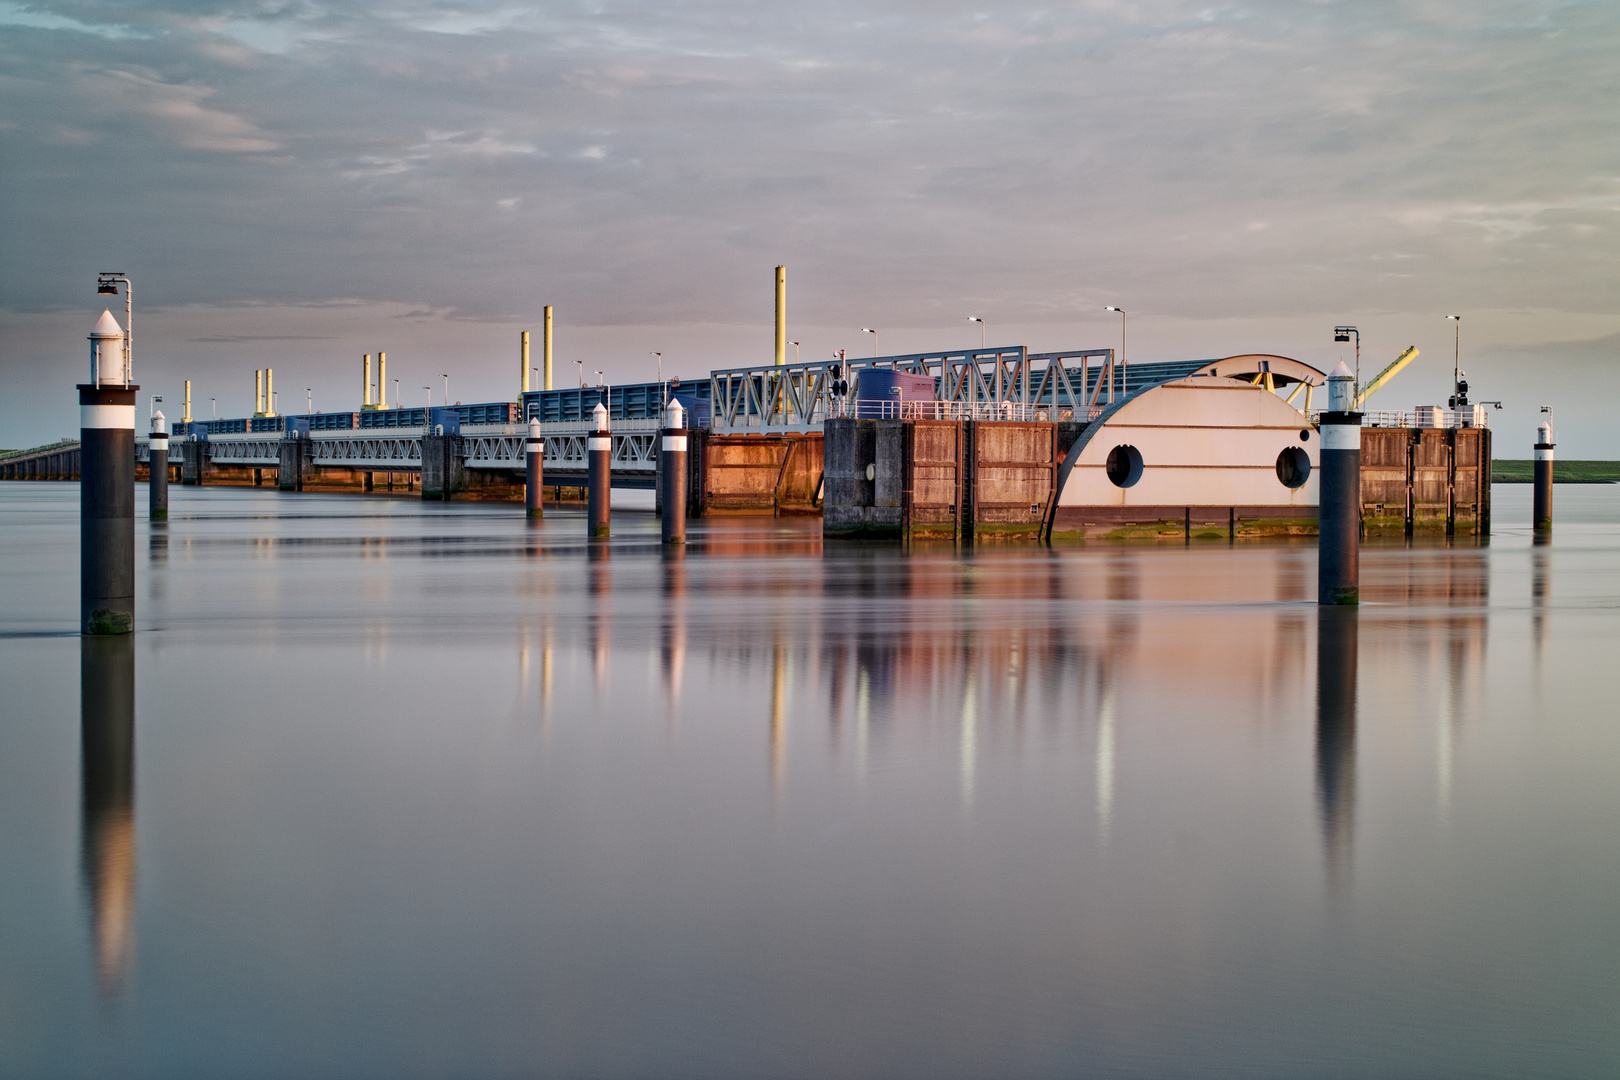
<point x="258" y="391"/>
<point x="186" y="416"/>
<point x="781" y="315"/>
<point x="382" y="381"/>
<point x="269" y="391"/>
<point x="546" y="348"/>
<point x="523" y="362"/>
<point x="365" y="382"/>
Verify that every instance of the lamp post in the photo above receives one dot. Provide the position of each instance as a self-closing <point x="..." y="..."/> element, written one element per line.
<point x="446" y="379"/>
<point x="396" y="399"/>
<point x="975" y="318"/>
<point x="1342" y="333"/>
<point x="795" y="345"/>
<point x="309" y="401"/>
<point x="427" y="417"/>
<point x="1456" y="361"/>
<point x="213" y="407"/>
<point x="581" y="364"/>
<point x="107" y="283"/>
<point x="867" y="330"/>
<point x="1124" y="359"/>
<point x="660" y="357"/>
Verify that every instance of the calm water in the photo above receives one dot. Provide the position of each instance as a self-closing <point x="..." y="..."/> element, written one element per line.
<point x="419" y="791"/>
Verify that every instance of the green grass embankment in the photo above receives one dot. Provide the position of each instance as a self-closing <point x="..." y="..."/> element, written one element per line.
<point x="1521" y="471"/>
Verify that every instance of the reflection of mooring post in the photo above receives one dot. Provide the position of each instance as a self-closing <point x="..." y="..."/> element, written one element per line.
<point x="672" y="474"/>
<point x="107" y="800"/>
<point x="157" y="469"/>
<point x="107" y="486"/>
<point x="1338" y="573"/>
<point x="535" y="477"/>
<point x="1336" y="649"/>
<point x="1541" y="512"/>
<point x="599" y="477"/>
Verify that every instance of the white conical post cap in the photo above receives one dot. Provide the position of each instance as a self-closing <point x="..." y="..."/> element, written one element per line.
<point x="160" y="426"/>
<point x="1544" y="434"/>
<point x="107" y="328"/>
<point x="599" y="416"/>
<point x="674" y="415"/>
<point x="534" y="428"/>
<point x="1341" y="389"/>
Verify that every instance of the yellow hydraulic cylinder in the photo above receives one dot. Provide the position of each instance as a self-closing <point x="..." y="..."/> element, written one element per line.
<point x="781" y="315"/>
<point x="365" y="382"/>
<point x="1387" y="374"/>
<point x="523" y="363"/>
<point x="545" y="347"/>
<point x="186" y="415"/>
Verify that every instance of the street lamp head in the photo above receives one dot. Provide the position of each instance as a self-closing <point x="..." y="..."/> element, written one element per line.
<point x="975" y="318"/>
<point x="867" y="330"/>
<point x="107" y="288"/>
<point x="1454" y="318"/>
<point x="1111" y="307"/>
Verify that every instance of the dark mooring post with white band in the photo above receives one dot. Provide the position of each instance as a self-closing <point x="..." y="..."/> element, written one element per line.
<point x="1541" y="500"/>
<point x="157" y="468"/>
<point x="534" y="457"/>
<point x="599" y="474"/>
<point x="107" y="486"/>
<point x="672" y="474"/>
<point x="1338" y="572"/>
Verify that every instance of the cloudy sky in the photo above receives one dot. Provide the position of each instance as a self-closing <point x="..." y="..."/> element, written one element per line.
<point x="295" y="182"/>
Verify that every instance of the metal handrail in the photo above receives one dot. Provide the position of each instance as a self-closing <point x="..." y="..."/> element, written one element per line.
<point x="1428" y="416"/>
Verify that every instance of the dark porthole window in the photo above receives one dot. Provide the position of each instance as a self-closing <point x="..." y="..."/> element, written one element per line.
<point x="1293" y="467"/>
<point x="1124" y="466"/>
<point x="1304" y="434"/>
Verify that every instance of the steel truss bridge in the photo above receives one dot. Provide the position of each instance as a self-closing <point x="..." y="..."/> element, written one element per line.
<point x="486" y="446"/>
<point x="979" y="384"/>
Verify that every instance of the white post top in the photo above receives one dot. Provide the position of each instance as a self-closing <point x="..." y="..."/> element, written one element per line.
<point x="599" y="417"/>
<point x="160" y="426"/>
<point x="1544" y="434"/>
<point x="534" y="428"/>
<point x="1341" y="389"/>
<point x="107" y="328"/>
<point x="674" y="416"/>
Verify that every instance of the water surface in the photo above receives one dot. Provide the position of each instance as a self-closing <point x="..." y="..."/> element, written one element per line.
<point x="384" y="788"/>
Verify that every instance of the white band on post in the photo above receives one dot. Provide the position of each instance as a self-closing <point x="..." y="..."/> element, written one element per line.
<point x="107" y="416"/>
<point x="1341" y="436"/>
<point x="675" y="442"/>
<point x="599" y="442"/>
<point x="1544" y="454"/>
<point x="535" y="446"/>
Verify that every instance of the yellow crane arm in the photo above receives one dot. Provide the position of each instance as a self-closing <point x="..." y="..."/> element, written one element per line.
<point x="1387" y="374"/>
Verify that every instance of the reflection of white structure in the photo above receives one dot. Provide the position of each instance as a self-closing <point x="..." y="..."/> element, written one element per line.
<point x="1209" y="449"/>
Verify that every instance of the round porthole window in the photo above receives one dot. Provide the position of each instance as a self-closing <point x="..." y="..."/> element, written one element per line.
<point x="1124" y="466"/>
<point x="1293" y="467"/>
<point x="1305" y="434"/>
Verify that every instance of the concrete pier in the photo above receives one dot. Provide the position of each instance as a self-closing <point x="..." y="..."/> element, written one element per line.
<point x="673" y="472"/>
<point x="157" y="469"/>
<point x="534" y="455"/>
<point x="599" y="480"/>
<point x="107" y="487"/>
<point x="1541" y="499"/>
<point x="1338" y="575"/>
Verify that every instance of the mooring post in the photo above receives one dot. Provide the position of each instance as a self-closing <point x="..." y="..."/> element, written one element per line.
<point x="673" y="474"/>
<point x="599" y="478"/>
<point x="535" y="478"/>
<point x="107" y="486"/>
<point x="157" y="469"/>
<point x="1338" y="573"/>
<point x="1541" y="511"/>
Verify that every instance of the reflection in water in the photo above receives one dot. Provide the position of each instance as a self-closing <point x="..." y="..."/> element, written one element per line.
<point x="599" y="585"/>
<point x="778" y="713"/>
<point x="672" y="629"/>
<point x="1105" y="762"/>
<point x="107" y="780"/>
<point x="1540" y="577"/>
<point x="1337" y="633"/>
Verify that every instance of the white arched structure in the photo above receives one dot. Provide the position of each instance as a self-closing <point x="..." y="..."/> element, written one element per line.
<point x="1201" y="451"/>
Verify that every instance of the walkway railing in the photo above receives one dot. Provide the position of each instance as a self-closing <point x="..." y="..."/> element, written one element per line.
<point x="1425" y="416"/>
